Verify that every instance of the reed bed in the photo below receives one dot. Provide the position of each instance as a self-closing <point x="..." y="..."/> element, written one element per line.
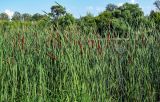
<point x="45" y="65"/>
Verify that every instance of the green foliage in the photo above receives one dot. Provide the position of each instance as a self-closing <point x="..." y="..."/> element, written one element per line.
<point x="44" y="22"/>
<point x="103" y="22"/>
<point x="132" y="14"/>
<point x="66" y="20"/>
<point x="26" y="17"/>
<point x="117" y="13"/>
<point x="37" y="17"/>
<point x="17" y="16"/>
<point x="63" y="59"/>
<point x="120" y="27"/>
<point x="87" y="22"/>
<point x="157" y="4"/>
<point x="155" y="16"/>
<point x="114" y="17"/>
<point x="57" y="10"/>
<point x="111" y="7"/>
<point x="41" y="64"/>
<point x="106" y="14"/>
<point x="4" y="16"/>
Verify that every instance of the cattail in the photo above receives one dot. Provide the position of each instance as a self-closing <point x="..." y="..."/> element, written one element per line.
<point x="130" y="60"/>
<point x="54" y="43"/>
<point x="89" y="43"/>
<point x="143" y="40"/>
<point x="51" y="56"/>
<point x="66" y="38"/>
<point x="58" y="38"/>
<point x="108" y="37"/>
<point x="14" y="46"/>
<point x="81" y="47"/>
<point x="23" y="41"/>
<point x="80" y="44"/>
<point x="92" y="43"/>
<point x="59" y="44"/>
<point x="19" y="41"/>
<point x="99" y="47"/>
<point x="57" y="34"/>
<point x="75" y="42"/>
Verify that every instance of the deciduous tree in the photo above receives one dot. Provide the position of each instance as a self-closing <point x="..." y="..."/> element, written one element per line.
<point x="16" y="16"/>
<point x="4" y="16"/>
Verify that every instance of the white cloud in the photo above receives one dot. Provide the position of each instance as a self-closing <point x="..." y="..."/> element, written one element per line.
<point x="9" y="13"/>
<point x="133" y="1"/>
<point x="120" y="4"/>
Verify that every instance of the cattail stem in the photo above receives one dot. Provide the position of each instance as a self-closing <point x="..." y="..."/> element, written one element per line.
<point x="23" y="41"/>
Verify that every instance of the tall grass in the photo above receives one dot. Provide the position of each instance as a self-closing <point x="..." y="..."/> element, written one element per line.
<point x="46" y="65"/>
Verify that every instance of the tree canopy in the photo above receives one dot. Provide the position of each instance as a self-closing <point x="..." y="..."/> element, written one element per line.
<point x="157" y="4"/>
<point x="57" y="10"/>
<point x="4" y="16"/>
<point x="114" y="17"/>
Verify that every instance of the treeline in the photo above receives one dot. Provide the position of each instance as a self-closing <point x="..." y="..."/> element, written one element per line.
<point x="117" y="19"/>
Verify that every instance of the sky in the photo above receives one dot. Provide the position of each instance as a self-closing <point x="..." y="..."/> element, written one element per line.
<point x="76" y="7"/>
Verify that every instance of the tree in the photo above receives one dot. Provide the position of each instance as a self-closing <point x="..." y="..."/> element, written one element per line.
<point x="155" y="16"/>
<point x="111" y="7"/>
<point x="88" y="21"/>
<point x="66" y="20"/>
<point x="4" y="16"/>
<point x="157" y="4"/>
<point x="132" y="14"/>
<point x="26" y="17"/>
<point x="16" y="16"/>
<point x="120" y="27"/>
<point x="103" y="22"/>
<point x="57" y="11"/>
<point x="134" y="9"/>
<point x="117" y="13"/>
<point x="37" y="17"/>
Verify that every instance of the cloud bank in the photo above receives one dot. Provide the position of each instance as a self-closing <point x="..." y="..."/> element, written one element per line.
<point x="9" y="13"/>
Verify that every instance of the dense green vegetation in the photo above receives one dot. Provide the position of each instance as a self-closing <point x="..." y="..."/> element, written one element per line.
<point x="114" y="56"/>
<point x="115" y="18"/>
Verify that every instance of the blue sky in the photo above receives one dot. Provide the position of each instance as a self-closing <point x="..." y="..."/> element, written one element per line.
<point x="76" y="7"/>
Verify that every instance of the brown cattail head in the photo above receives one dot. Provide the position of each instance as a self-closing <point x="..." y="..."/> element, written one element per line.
<point x="19" y="41"/>
<point x="92" y="43"/>
<point x="81" y="47"/>
<point x="99" y="48"/>
<point x="23" y="42"/>
<point x="79" y="43"/>
<point x="143" y="40"/>
<point x="51" y="56"/>
<point x="108" y="37"/>
<point x="99" y="44"/>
